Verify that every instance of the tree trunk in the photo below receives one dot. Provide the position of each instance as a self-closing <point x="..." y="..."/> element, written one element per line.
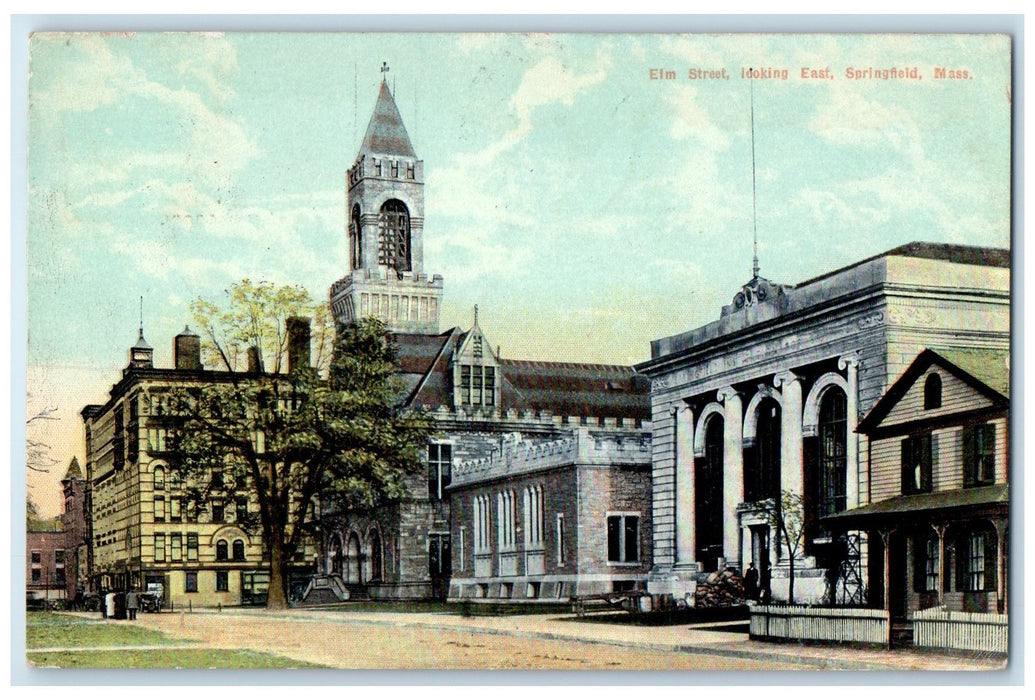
<point x="790" y="584"/>
<point x="276" y="598"/>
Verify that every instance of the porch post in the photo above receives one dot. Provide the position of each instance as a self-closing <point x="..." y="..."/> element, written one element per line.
<point x="885" y="536"/>
<point x="940" y="529"/>
<point x="1000" y="573"/>
<point x="732" y="474"/>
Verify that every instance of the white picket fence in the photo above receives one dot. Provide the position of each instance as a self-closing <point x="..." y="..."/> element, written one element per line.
<point x="942" y="629"/>
<point x="840" y="625"/>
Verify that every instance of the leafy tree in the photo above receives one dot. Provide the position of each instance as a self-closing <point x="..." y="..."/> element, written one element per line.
<point x="787" y="515"/>
<point x="302" y="445"/>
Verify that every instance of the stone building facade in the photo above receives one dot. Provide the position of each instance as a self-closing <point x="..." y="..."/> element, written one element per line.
<point x="768" y="399"/>
<point x="474" y="396"/>
<point x="541" y="521"/>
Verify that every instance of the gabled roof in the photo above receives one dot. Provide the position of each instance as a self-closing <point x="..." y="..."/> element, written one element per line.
<point x="386" y="134"/>
<point x="575" y="389"/>
<point x="74" y="472"/>
<point x="560" y="388"/>
<point x="992" y="365"/>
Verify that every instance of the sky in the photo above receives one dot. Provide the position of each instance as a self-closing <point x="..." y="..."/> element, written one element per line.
<point x="585" y="207"/>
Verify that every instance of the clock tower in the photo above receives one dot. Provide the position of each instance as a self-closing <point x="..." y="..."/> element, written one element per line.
<point x="385" y="200"/>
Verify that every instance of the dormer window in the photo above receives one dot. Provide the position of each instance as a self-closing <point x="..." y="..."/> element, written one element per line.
<point x="477" y="385"/>
<point x="932" y="392"/>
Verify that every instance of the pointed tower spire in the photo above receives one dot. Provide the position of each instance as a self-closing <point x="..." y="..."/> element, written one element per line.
<point x="386" y="135"/>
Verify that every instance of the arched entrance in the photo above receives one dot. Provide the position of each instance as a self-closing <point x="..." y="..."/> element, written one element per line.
<point x="708" y="503"/>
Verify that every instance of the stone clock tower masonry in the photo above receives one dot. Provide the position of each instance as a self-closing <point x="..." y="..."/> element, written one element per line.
<point x="385" y="203"/>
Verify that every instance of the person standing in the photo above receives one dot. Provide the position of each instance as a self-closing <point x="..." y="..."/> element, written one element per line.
<point x="132" y="603"/>
<point x="751" y="582"/>
<point x="102" y="603"/>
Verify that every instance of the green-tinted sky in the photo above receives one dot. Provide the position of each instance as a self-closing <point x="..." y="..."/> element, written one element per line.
<point x="585" y="208"/>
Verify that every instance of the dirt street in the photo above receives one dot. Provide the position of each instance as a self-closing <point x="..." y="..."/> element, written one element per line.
<point x="349" y="643"/>
<point x="374" y="640"/>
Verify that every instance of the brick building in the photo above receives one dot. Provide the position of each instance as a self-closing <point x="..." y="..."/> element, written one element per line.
<point x="46" y="567"/>
<point x="768" y="398"/>
<point x="474" y="396"/>
<point x="549" y="520"/>
<point x="143" y="530"/>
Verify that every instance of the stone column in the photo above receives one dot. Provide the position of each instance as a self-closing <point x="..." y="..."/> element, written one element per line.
<point x="850" y="363"/>
<point x="732" y="474"/>
<point x="683" y="426"/>
<point x="791" y="477"/>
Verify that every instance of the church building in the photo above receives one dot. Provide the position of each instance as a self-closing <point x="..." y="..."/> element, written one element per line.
<point x="477" y="399"/>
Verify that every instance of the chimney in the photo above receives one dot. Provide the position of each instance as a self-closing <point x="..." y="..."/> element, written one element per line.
<point x="298" y="343"/>
<point x="254" y="362"/>
<point x="187" y="350"/>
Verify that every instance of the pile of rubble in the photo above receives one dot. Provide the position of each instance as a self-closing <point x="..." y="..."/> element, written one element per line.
<point x="721" y="589"/>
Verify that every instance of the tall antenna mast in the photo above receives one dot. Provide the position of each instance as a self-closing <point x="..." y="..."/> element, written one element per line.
<point x="754" y="205"/>
<point x="141" y="316"/>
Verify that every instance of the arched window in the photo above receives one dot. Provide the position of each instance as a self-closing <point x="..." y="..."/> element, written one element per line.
<point x="932" y="392"/>
<point x="221" y="550"/>
<point x="356" y="239"/>
<point x="766" y="482"/>
<point x="159" y="478"/>
<point x="238" y="550"/>
<point x="708" y="505"/>
<point x="833" y="451"/>
<point x="376" y="559"/>
<point x="393" y="236"/>
<point x="352" y="560"/>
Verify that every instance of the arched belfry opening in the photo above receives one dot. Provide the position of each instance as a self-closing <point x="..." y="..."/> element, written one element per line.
<point x="393" y="236"/>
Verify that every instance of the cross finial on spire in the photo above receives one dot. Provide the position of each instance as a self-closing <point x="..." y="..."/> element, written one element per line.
<point x="384" y="70"/>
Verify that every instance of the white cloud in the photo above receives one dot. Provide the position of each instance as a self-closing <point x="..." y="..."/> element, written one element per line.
<point x="692" y="120"/>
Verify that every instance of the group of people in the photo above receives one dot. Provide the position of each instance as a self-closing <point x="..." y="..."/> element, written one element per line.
<point x="108" y="604"/>
<point x="758" y="590"/>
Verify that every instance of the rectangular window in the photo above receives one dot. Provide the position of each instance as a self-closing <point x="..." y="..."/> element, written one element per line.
<point x="440" y="460"/>
<point x="916" y="464"/>
<point x="222" y="580"/>
<point x="465" y="385"/>
<point x="979" y="455"/>
<point x="560" y="539"/>
<point x="159" y="546"/>
<point x="176" y="547"/>
<point x="490" y="386"/>
<point x="159" y="509"/>
<point x="217" y="512"/>
<point x="37" y="558"/>
<point x="174" y="510"/>
<point x="476" y="386"/>
<point x="241" y="503"/>
<point x="623" y="539"/>
<point x="192" y="546"/>
<point x="410" y="171"/>
<point x="37" y="574"/>
<point x="190" y="584"/>
<point x="505" y="529"/>
<point x="395" y="168"/>
<point x="976" y="562"/>
<point x="925" y="564"/>
<point x="463" y="551"/>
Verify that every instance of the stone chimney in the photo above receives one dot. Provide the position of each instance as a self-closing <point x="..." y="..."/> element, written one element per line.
<point x="298" y="343"/>
<point x="254" y="361"/>
<point x="187" y="350"/>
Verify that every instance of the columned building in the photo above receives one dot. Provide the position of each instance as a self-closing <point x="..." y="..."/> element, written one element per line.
<point x="767" y="399"/>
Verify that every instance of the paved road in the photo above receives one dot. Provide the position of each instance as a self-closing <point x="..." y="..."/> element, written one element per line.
<point x="340" y="638"/>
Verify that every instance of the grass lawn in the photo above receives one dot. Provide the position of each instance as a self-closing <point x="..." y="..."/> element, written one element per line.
<point x="48" y="629"/>
<point x="158" y="658"/>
